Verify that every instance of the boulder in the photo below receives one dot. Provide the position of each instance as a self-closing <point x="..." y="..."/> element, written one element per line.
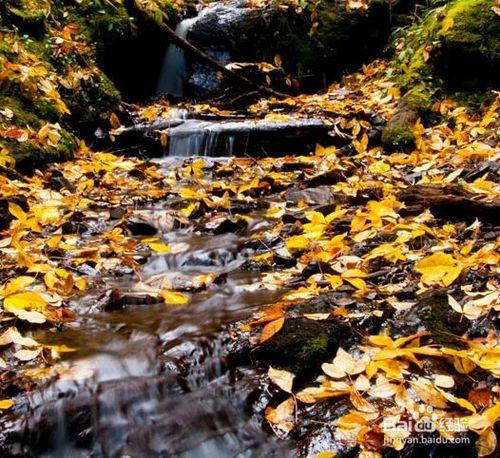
<point x="469" y="54"/>
<point x="323" y="40"/>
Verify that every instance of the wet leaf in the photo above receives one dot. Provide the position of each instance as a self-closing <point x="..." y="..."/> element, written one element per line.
<point x="6" y="404"/>
<point x="173" y="297"/>
<point x="271" y="328"/>
<point x="282" y="417"/>
<point x="281" y="378"/>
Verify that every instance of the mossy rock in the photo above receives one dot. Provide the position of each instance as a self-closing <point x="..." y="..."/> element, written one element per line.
<point x="30" y="156"/>
<point x="337" y="40"/>
<point x="432" y="313"/>
<point x="455" y="47"/>
<point x="302" y="345"/>
<point x="398" y="133"/>
<point x="93" y="102"/>
<point x="22" y="113"/>
<point x="469" y="53"/>
<point x="29" y="17"/>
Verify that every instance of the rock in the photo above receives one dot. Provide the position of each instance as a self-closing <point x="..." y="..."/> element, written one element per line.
<point x="469" y="53"/>
<point x="432" y="313"/>
<point x="454" y="47"/>
<point x="397" y="134"/>
<point x="451" y="202"/>
<point x="57" y="181"/>
<point x="343" y="38"/>
<point x="302" y="345"/>
<point x="248" y="136"/>
<point x="137" y="226"/>
<point x="329" y="178"/>
<point x="231" y="225"/>
<point x="111" y="299"/>
<point x="322" y="195"/>
<point x="76" y="225"/>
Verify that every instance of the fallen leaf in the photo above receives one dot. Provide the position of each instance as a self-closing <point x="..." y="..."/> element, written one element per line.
<point x="281" y="378"/>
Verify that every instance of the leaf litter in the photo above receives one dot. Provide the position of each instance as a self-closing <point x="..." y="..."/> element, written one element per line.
<point x="380" y="252"/>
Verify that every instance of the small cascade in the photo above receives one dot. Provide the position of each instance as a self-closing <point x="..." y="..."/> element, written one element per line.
<point x="173" y="72"/>
<point x="194" y="137"/>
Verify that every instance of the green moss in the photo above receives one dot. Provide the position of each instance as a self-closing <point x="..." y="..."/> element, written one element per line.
<point x="23" y="115"/>
<point x="469" y="53"/>
<point x="30" y="16"/>
<point x="413" y="46"/>
<point x="301" y="346"/>
<point x="398" y="133"/>
<point x="94" y="102"/>
<point x="335" y="39"/>
<point x="456" y="46"/>
<point x="30" y="156"/>
<point x="46" y="109"/>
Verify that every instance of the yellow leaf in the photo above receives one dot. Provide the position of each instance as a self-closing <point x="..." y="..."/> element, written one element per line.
<point x="439" y="268"/>
<point x="282" y="417"/>
<point x="18" y="284"/>
<point x="27" y="355"/>
<point x="447" y="23"/>
<point x="12" y="335"/>
<point x="360" y="403"/>
<point x="190" y="209"/>
<point x="271" y="328"/>
<point x="16" y="211"/>
<point x="159" y="247"/>
<point x="358" y="283"/>
<point x="426" y="391"/>
<point x="335" y="280"/>
<point x="487" y="443"/>
<point x="6" y="404"/>
<point x="81" y="284"/>
<point x="24" y="301"/>
<point x="50" y="279"/>
<point x="31" y="317"/>
<point x="298" y="242"/>
<point x="379" y="167"/>
<point x="354" y="273"/>
<point x="173" y="297"/>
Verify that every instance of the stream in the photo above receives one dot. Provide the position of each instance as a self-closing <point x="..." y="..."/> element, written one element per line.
<point x="159" y="381"/>
<point x="154" y="380"/>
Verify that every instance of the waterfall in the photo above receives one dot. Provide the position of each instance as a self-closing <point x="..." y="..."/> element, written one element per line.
<point x="173" y="71"/>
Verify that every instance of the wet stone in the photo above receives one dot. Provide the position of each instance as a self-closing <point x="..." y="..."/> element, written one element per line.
<point x="321" y="195"/>
<point x="139" y="227"/>
<point x="431" y="313"/>
<point x="302" y="345"/>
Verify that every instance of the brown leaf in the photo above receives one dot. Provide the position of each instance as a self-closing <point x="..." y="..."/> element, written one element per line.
<point x="373" y="440"/>
<point x="480" y="397"/>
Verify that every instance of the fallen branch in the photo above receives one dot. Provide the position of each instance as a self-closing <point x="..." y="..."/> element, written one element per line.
<point x="451" y="202"/>
<point x="142" y="7"/>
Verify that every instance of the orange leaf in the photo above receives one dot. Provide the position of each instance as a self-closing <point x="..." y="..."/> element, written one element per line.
<point x="271" y="328"/>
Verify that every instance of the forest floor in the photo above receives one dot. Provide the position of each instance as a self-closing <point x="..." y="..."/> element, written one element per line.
<point x="399" y="250"/>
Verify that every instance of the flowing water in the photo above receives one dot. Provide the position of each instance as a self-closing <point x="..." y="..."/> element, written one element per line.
<point x="154" y="380"/>
<point x="173" y="71"/>
<point x="208" y="138"/>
